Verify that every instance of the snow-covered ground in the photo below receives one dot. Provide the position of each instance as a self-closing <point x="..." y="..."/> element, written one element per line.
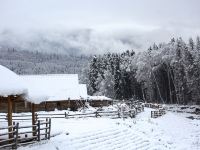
<point x="171" y="131"/>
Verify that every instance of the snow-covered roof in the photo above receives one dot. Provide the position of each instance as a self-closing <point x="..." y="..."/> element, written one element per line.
<point x="98" y="98"/>
<point x="10" y="83"/>
<point x="53" y="87"/>
<point x="47" y="87"/>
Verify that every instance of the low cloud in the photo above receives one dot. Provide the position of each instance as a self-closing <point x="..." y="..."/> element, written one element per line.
<point x="84" y="41"/>
<point x="93" y="26"/>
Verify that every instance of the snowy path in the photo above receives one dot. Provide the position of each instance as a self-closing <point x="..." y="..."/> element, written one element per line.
<point x="110" y="139"/>
<point x="171" y="131"/>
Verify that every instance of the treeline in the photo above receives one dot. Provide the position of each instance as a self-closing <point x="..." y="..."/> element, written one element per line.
<point x="165" y="73"/>
<point x="112" y="75"/>
<point x="27" y="62"/>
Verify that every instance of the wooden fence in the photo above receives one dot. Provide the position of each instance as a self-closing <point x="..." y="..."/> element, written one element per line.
<point x="41" y="116"/>
<point x="156" y="114"/>
<point x="16" y="135"/>
<point x="114" y="114"/>
<point x="19" y="117"/>
<point x="22" y="135"/>
<point x="154" y="106"/>
<point x="159" y="109"/>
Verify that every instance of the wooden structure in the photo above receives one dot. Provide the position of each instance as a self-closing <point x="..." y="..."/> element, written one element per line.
<point x="12" y="93"/>
<point x="156" y="114"/>
<point x="19" y="138"/>
<point x="8" y="105"/>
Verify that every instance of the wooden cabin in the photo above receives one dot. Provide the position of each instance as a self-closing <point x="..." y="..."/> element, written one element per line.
<point x="49" y="92"/>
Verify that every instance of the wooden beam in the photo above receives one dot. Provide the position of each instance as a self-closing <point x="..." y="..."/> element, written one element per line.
<point x="33" y="117"/>
<point x="9" y="115"/>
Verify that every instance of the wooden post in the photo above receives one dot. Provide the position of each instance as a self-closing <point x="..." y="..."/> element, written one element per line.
<point x="66" y="115"/>
<point x="33" y="118"/>
<point x="36" y="117"/>
<point x="10" y="115"/>
<point x="96" y="114"/>
<point x="49" y="128"/>
<point x="16" y="135"/>
<point x="118" y="114"/>
<point x="38" y="129"/>
<point x="46" y="128"/>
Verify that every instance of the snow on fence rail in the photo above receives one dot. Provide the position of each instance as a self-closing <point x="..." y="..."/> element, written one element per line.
<point x="16" y="135"/>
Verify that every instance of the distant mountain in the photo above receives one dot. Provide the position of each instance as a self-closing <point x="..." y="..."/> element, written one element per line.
<point x="26" y="62"/>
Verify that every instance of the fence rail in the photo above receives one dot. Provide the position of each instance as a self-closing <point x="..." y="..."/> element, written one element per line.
<point x="41" y="116"/>
<point x="18" y="117"/>
<point x="96" y="114"/>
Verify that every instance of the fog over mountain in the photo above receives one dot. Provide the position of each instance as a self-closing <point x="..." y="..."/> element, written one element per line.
<point x="80" y="41"/>
<point x="92" y="26"/>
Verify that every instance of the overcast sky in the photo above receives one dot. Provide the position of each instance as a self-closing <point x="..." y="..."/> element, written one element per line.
<point x="102" y="24"/>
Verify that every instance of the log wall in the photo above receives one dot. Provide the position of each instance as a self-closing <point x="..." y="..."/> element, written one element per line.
<point x="24" y="106"/>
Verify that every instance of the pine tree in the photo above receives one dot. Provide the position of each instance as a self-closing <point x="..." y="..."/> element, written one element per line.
<point x="155" y="47"/>
<point x="189" y="72"/>
<point x="117" y="77"/>
<point x="191" y="44"/>
<point x="93" y="75"/>
<point x="198" y="44"/>
<point x="179" y="73"/>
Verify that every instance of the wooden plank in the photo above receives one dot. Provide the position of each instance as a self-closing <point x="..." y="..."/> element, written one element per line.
<point x="46" y="128"/>
<point x="49" y="135"/>
<point x="38" y="134"/>
<point x="10" y="115"/>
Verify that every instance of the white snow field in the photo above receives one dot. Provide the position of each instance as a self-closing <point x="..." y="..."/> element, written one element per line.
<point x="171" y="131"/>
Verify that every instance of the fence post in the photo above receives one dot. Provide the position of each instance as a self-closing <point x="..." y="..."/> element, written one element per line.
<point x="130" y="114"/>
<point x="118" y="114"/>
<point x="13" y="134"/>
<point x="38" y="128"/>
<point x="16" y="135"/>
<point x="46" y="128"/>
<point x="49" y="128"/>
<point x="36" y="117"/>
<point x="66" y="115"/>
<point x="13" y="129"/>
<point x="97" y="114"/>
